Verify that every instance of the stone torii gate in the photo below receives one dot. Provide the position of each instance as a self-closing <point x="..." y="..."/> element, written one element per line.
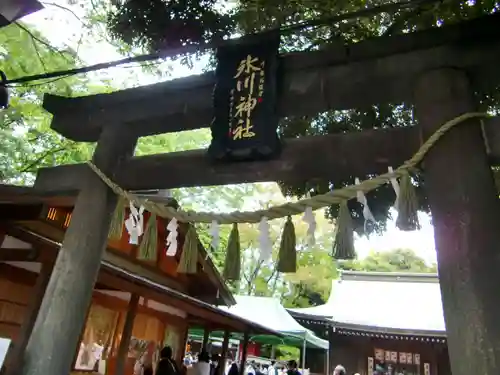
<point x="436" y="70"/>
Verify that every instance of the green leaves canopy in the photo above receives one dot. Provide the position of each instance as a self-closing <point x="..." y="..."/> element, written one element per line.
<point x="27" y="143"/>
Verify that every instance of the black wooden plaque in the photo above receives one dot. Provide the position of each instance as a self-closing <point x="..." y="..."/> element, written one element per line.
<point x="245" y="95"/>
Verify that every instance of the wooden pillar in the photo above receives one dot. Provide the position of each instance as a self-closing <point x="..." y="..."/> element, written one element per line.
<point x="184" y="341"/>
<point x="61" y="318"/>
<point x="465" y="210"/>
<point x="128" y="326"/>
<point x="206" y="337"/>
<point x="244" y="352"/>
<point x="225" y="347"/>
<point x="14" y="359"/>
<point x="331" y="347"/>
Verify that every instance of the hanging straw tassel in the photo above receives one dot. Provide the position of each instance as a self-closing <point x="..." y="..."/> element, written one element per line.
<point x="189" y="257"/>
<point x="407" y="205"/>
<point x="149" y="243"/>
<point x="117" y="220"/>
<point x="232" y="264"/>
<point x="343" y="246"/>
<point x="287" y="257"/>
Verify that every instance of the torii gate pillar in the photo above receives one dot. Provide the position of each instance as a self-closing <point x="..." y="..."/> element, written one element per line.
<point x="61" y="318"/>
<point x="465" y="211"/>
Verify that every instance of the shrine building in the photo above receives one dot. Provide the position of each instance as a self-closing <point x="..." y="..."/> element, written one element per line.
<point x="375" y="317"/>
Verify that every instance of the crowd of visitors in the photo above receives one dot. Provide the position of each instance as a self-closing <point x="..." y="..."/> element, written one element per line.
<point x="205" y="364"/>
<point x="380" y="368"/>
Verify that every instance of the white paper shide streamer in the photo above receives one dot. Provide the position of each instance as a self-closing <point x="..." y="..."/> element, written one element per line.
<point x="214" y="234"/>
<point x="266" y="248"/>
<point x="310" y="220"/>
<point x="395" y="186"/>
<point x="135" y="224"/>
<point x="172" y="237"/>
<point x="361" y="198"/>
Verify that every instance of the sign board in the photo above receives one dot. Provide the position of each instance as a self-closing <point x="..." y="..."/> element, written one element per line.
<point x="245" y="121"/>
<point x="402" y="357"/>
<point x="394" y="357"/>
<point x="370" y="365"/>
<point x="409" y="358"/>
<point x="417" y="359"/>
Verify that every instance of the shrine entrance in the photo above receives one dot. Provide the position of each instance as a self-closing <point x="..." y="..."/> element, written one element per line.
<point x="437" y="70"/>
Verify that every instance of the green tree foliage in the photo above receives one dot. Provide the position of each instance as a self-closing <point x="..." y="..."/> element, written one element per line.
<point x="26" y="141"/>
<point x="156" y="25"/>
<point x="397" y="260"/>
<point x="312" y="283"/>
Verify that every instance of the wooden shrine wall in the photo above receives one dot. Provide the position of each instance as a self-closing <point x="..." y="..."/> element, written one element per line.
<point x="104" y="327"/>
<point x="16" y="291"/>
<point x="316" y="360"/>
<point x="354" y="352"/>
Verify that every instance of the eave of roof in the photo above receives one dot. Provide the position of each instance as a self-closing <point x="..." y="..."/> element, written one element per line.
<point x="386" y="331"/>
<point x="398" y="336"/>
<point x="13" y="194"/>
<point x="256" y="327"/>
<point x="389" y="276"/>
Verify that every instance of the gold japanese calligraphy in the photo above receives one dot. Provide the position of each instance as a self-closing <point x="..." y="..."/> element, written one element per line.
<point x="247" y="66"/>
<point x="246" y="96"/>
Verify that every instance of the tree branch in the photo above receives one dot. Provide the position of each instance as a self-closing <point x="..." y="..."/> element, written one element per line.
<point x="41" y="158"/>
<point x="41" y="41"/>
<point x="65" y="9"/>
<point x="272" y="274"/>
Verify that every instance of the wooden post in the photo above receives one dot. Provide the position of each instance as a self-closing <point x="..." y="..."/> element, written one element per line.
<point x="225" y="347"/>
<point x="128" y="326"/>
<point x="465" y="210"/>
<point x="244" y="351"/>
<point x="206" y="337"/>
<point x="184" y="341"/>
<point x="14" y="360"/>
<point x="61" y="318"/>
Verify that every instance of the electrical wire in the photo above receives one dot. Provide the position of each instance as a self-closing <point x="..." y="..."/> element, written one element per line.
<point x="191" y="49"/>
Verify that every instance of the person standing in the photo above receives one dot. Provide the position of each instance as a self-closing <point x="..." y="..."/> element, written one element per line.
<point x="292" y="368"/>
<point x="234" y="370"/>
<point x="271" y="370"/>
<point x="215" y="365"/>
<point x="339" y="370"/>
<point x="202" y="367"/>
<point x="250" y="370"/>
<point x="166" y="365"/>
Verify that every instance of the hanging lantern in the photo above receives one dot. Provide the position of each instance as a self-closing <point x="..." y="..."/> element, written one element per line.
<point x="4" y="91"/>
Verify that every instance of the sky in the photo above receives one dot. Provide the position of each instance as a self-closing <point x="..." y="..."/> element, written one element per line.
<point x="53" y="19"/>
